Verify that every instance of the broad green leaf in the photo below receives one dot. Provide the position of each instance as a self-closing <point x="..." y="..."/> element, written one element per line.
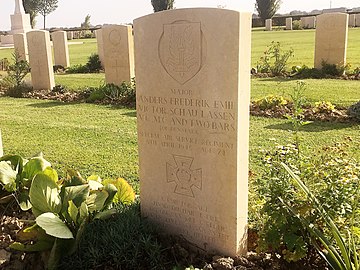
<point x="44" y="194"/>
<point x="94" y="185"/>
<point x="34" y="166"/>
<point x="51" y="173"/>
<point x="54" y="226"/>
<point x="125" y="193"/>
<point x="73" y="211"/>
<point x="7" y="176"/>
<point x="84" y="212"/>
<point x="17" y="162"/>
<point x="24" y="200"/>
<point x="77" y="194"/>
<point x="96" y="200"/>
<point x="74" y="179"/>
<point x="112" y="190"/>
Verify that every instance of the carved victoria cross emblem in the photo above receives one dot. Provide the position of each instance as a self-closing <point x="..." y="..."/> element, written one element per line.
<point x="184" y="177"/>
<point x="180" y="50"/>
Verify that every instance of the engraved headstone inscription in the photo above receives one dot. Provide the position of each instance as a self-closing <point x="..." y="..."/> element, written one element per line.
<point x="331" y="39"/>
<point x="193" y="85"/>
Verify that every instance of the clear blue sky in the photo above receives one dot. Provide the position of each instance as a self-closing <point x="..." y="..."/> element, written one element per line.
<point x="72" y="12"/>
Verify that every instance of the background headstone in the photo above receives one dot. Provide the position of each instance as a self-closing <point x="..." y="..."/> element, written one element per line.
<point x="70" y="35"/>
<point x="193" y="124"/>
<point x="352" y="20"/>
<point x="20" y="45"/>
<point x="289" y="25"/>
<point x="331" y="39"/>
<point x="100" y="45"/>
<point x="357" y="20"/>
<point x="40" y="59"/>
<point x="268" y="24"/>
<point x="118" y="53"/>
<point x="61" y="49"/>
<point x="308" y="22"/>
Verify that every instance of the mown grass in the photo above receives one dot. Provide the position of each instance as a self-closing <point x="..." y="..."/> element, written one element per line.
<point x="102" y="139"/>
<point x="75" y="82"/>
<point x="340" y="92"/>
<point x="303" y="43"/>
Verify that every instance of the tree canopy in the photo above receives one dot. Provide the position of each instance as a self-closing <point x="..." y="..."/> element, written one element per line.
<point x="160" y="5"/>
<point x="267" y="8"/>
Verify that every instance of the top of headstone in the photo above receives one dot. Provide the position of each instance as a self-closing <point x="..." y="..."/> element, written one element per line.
<point x="19" y="8"/>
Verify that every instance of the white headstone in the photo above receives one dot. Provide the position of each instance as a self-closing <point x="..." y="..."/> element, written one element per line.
<point x="20" y="45"/>
<point x="331" y="39"/>
<point x="268" y="24"/>
<point x="357" y="20"/>
<point x="289" y="25"/>
<point x="193" y="124"/>
<point x="61" y="50"/>
<point x="100" y="45"/>
<point x="40" y="59"/>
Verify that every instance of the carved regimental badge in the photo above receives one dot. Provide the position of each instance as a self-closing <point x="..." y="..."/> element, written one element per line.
<point x="180" y="50"/>
<point x="184" y="177"/>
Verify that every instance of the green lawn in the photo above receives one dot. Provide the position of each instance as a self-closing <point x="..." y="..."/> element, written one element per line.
<point x="102" y="139"/>
<point x="303" y="43"/>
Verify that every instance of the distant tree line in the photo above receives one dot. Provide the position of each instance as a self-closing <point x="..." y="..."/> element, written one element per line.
<point x="267" y="8"/>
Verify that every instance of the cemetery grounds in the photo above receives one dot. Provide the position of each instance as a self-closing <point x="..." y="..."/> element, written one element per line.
<point x="102" y="139"/>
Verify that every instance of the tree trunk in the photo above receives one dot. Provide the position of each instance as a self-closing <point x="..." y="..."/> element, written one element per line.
<point x="44" y="20"/>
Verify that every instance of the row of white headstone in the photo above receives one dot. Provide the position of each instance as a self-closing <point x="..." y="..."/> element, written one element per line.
<point x="310" y="22"/>
<point x="331" y="37"/>
<point x="115" y="48"/>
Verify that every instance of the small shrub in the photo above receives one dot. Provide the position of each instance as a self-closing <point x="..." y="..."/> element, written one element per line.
<point x="125" y="94"/>
<point x="354" y="111"/>
<point x="296" y="25"/>
<point x="14" y="81"/>
<point x="304" y="72"/>
<point x="58" y="69"/>
<point x="93" y="65"/>
<point x="274" y="60"/>
<point x="77" y="69"/>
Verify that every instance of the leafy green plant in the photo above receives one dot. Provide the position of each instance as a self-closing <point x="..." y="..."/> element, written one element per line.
<point x="125" y="94"/>
<point x="16" y="175"/>
<point x="297" y="117"/>
<point x="274" y="60"/>
<point x="330" y="172"/>
<point x="62" y="207"/>
<point x="340" y="252"/>
<point x="354" y="111"/>
<point x="93" y="65"/>
<point x="333" y="70"/>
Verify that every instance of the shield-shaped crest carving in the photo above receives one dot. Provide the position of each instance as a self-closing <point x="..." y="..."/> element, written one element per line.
<point x="180" y="50"/>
